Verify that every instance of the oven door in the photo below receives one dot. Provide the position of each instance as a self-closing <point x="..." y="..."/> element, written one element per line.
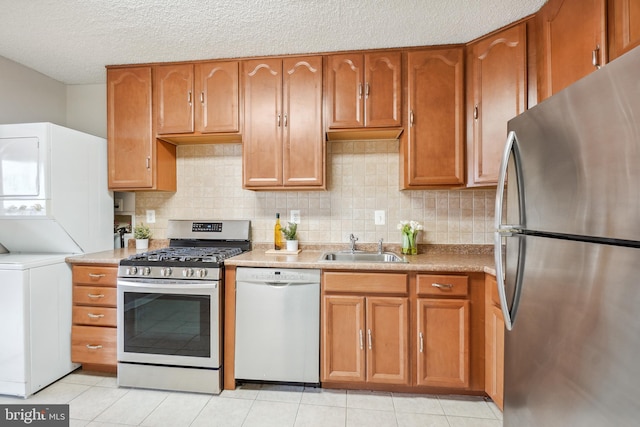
<point x="166" y="322"/>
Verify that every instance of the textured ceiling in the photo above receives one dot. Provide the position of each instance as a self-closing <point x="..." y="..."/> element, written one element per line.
<point x="72" y="40"/>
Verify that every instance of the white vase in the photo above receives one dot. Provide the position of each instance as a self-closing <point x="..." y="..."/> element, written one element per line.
<point x="292" y="245"/>
<point x="142" y="243"/>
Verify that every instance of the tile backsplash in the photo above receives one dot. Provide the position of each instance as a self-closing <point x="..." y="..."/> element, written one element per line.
<point x="362" y="176"/>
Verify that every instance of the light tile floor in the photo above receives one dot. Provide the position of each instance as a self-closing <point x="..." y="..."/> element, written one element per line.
<point x="95" y="400"/>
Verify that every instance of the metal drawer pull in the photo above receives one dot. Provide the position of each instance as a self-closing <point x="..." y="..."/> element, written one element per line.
<point x="95" y="316"/>
<point x="96" y="276"/>
<point x="442" y="285"/>
<point x="94" y="347"/>
<point x="421" y="343"/>
<point x="95" y="295"/>
<point x="369" y="336"/>
<point x="361" y="340"/>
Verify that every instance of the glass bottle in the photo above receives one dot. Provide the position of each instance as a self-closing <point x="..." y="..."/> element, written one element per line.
<point x="278" y="242"/>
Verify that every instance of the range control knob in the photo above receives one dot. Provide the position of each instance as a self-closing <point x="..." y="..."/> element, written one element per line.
<point x="187" y="272"/>
<point x="131" y="271"/>
<point x="201" y="273"/>
<point x="166" y="271"/>
<point x="146" y="271"/>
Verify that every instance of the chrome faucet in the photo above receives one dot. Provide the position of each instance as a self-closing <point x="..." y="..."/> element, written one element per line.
<point x="353" y="239"/>
<point x="380" y="246"/>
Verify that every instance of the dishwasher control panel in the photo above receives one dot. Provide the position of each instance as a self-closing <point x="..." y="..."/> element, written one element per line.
<point x="244" y="274"/>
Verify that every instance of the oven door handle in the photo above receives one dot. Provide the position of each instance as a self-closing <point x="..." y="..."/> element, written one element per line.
<point x="164" y="286"/>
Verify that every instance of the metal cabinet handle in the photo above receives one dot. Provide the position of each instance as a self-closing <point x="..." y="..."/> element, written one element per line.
<point x="360" y="91"/>
<point x="285" y="120"/>
<point x="202" y="97"/>
<point x="189" y="97"/>
<point x="278" y="120"/>
<point x="361" y="340"/>
<point x="96" y="276"/>
<point x="442" y="285"/>
<point x="95" y="316"/>
<point x="421" y="343"/>
<point x="369" y="336"/>
<point x="93" y="347"/>
<point x="475" y="112"/>
<point x="411" y="118"/>
<point x="148" y="162"/>
<point x="95" y="295"/>
<point x="366" y="91"/>
<point x="595" y="57"/>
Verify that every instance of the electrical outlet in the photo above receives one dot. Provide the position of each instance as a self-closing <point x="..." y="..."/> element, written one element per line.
<point x="294" y="216"/>
<point x="151" y="217"/>
<point x="379" y="217"/>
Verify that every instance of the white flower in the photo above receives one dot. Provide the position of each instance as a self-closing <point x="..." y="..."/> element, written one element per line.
<point x="410" y="226"/>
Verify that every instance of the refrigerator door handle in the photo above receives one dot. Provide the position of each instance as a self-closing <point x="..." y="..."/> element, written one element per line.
<point x="506" y="230"/>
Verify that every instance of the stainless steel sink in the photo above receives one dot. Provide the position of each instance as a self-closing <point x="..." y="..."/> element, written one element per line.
<point x="361" y="257"/>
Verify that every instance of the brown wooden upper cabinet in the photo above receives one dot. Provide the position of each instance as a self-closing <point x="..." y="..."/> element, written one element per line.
<point x="364" y="90"/>
<point x="624" y="26"/>
<point x="283" y="143"/>
<point x="197" y="100"/>
<point x="496" y="90"/>
<point x="432" y="150"/>
<point x="136" y="160"/>
<point x="573" y="42"/>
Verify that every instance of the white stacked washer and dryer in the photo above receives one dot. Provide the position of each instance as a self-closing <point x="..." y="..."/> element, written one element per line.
<point x="54" y="202"/>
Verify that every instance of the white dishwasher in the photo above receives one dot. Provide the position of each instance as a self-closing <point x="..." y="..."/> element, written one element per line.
<point x="277" y="325"/>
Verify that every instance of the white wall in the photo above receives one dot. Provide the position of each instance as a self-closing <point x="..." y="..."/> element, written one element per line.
<point x="28" y="96"/>
<point x="87" y="108"/>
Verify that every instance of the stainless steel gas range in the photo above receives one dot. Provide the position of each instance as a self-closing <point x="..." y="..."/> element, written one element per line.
<point x="169" y="307"/>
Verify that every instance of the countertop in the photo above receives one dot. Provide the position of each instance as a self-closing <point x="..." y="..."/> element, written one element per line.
<point x="434" y="258"/>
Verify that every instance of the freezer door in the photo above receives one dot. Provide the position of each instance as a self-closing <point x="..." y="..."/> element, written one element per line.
<point x="571" y="358"/>
<point x="580" y="154"/>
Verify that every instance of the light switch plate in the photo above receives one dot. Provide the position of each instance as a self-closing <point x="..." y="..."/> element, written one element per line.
<point x="294" y="216"/>
<point x="151" y="217"/>
<point x="379" y="217"/>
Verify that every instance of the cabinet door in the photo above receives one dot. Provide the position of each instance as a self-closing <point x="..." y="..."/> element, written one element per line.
<point x="129" y="127"/>
<point x="217" y="97"/>
<point x="263" y="123"/>
<point x="345" y="93"/>
<point x="343" y="338"/>
<point x="433" y="148"/>
<point x="624" y="26"/>
<point x="173" y="98"/>
<point x="382" y="92"/>
<point x="494" y="355"/>
<point x="443" y="343"/>
<point x="303" y="137"/>
<point x="387" y="340"/>
<point x="498" y="86"/>
<point x="573" y="42"/>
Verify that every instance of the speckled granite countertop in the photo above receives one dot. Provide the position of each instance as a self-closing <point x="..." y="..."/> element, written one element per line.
<point x="444" y="262"/>
<point x="444" y="258"/>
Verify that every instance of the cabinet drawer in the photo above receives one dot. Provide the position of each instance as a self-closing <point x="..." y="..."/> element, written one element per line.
<point x="442" y="285"/>
<point x="92" y="344"/>
<point x="379" y="283"/>
<point x="94" y="316"/>
<point x="94" y="295"/>
<point x="95" y="275"/>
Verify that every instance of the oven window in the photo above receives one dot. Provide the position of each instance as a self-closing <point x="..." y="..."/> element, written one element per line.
<point x="168" y="324"/>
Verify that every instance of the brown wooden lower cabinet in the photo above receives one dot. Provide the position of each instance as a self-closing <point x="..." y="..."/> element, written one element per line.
<point x="365" y="339"/>
<point x="443" y="343"/>
<point x="413" y="332"/>
<point x="93" y="333"/>
<point x="494" y="344"/>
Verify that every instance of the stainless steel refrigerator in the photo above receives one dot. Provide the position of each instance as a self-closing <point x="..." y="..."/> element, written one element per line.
<point x="568" y="248"/>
